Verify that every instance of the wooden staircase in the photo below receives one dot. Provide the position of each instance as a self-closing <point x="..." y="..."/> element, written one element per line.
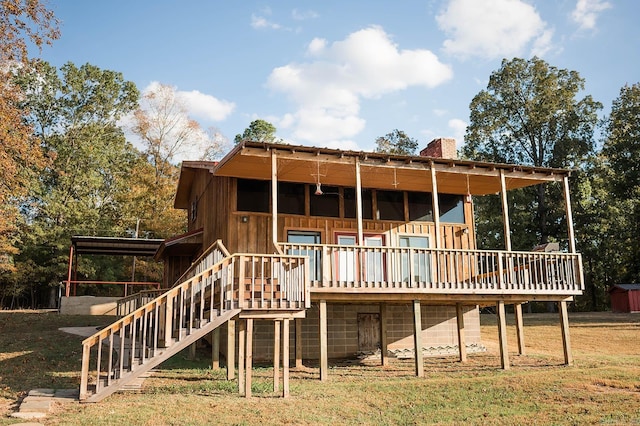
<point x="217" y="288"/>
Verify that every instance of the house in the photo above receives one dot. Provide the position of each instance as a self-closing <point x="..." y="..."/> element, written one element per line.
<point x="625" y="298"/>
<point x="361" y="251"/>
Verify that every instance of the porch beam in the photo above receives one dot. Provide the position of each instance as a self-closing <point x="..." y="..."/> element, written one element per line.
<point x="567" y="202"/>
<point x="436" y="206"/>
<point x="324" y="362"/>
<point x="384" y="359"/>
<point x="274" y="198"/>
<point x="517" y="309"/>
<point x="566" y="339"/>
<point x="359" y="202"/>
<point x="462" y="344"/>
<point x="417" y="338"/>
<point x="231" y="349"/>
<point x="502" y="335"/>
<point x="505" y="211"/>
<point x="298" y="342"/>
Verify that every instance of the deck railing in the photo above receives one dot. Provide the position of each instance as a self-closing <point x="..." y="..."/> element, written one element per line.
<point x="239" y="281"/>
<point x="404" y="269"/>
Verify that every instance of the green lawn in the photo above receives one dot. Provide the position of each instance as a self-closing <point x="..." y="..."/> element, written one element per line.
<point x="602" y="388"/>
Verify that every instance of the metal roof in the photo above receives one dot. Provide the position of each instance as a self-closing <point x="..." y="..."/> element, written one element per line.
<point x="115" y="246"/>
<point x="627" y="287"/>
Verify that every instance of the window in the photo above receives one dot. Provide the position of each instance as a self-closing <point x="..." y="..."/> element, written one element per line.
<point x="420" y="206"/>
<point x="451" y="208"/>
<point x="291" y="198"/>
<point x="350" y="203"/>
<point x="390" y="205"/>
<point x="253" y="195"/>
<point x="327" y="204"/>
<point x="301" y="238"/>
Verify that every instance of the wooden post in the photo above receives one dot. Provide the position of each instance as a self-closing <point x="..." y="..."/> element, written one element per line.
<point x="324" y="362"/>
<point x="298" y="343"/>
<point x="192" y="350"/>
<point x="276" y="355"/>
<point x="384" y="359"/>
<point x="274" y="197"/>
<point x="564" y="325"/>
<point x="215" y="349"/>
<point x="436" y="206"/>
<point x="417" y="338"/>
<point x="84" y="374"/>
<point x="462" y="344"/>
<point x="285" y="358"/>
<point x="231" y="349"/>
<point x="359" y="203"/>
<point x="505" y="212"/>
<point x="168" y="321"/>
<point x="242" y="338"/>
<point x="67" y="291"/>
<point x="567" y="201"/>
<point x="517" y="309"/>
<point x="502" y="335"/>
<point x="249" y="358"/>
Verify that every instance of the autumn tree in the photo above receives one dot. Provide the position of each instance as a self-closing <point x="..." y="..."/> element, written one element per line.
<point x="258" y="131"/>
<point x="396" y="142"/>
<point x="22" y="23"/>
<point x="531" y="114"/>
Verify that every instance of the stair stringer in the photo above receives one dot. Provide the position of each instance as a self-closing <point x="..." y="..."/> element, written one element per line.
<point x="163" y="355"/>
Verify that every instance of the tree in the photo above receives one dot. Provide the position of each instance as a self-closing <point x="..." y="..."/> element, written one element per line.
<point x="74" y="112"/>
<point x="396" y="142"/>
<point x="530" y="114"/>
<point x="22" y="23"/>
<point x="258" y="131"/>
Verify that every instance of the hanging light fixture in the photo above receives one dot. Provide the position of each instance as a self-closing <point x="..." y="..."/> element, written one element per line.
<point x="467" y="197"/>
<point x="318" y="189"/>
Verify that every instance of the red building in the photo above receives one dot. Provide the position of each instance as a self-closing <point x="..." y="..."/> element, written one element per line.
<point x="625" y="298"/>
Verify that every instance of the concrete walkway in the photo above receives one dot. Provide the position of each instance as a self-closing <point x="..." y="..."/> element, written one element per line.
<point x="38" y="403"/>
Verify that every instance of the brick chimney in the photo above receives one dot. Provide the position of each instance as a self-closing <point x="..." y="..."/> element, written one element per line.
<point x="441" y="148"/>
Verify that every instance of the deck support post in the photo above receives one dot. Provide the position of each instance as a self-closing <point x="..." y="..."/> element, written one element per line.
<point x="298" y="342"/>
<point x="502" y="335"/>
<point x="242" y="337"/>
<point x="384" y="359"/>
<point x="248" y="358"/>
<point x="215" y="349"/>
<point x="285" y="358"/>
<point x="564" y="325"/>
<point x="276" y="355"/>
<point x="417" y="338"/>
<point x="231" y="349"/>
<point x="192" y="350"/>
<point x="324" y="361"/>
<point x="517" y="309"/>
<point x="462" y="344"/>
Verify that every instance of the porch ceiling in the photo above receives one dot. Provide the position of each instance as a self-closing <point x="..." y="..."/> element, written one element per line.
<point x="253" y="160"/>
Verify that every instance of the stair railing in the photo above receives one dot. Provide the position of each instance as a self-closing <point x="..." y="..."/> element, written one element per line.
<point x="240" y="281"/>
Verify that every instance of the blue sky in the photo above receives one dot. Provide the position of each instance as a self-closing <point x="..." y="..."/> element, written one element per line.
<point x="341" y="73"/>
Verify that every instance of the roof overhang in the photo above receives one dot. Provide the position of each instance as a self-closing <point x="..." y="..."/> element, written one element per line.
<point x="304" y="164"/>
<point x="113" y="246"/>
<point x="187" y="244"/>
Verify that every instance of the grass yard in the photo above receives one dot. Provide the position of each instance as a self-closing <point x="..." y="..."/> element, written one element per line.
<point x="602" y="388"/>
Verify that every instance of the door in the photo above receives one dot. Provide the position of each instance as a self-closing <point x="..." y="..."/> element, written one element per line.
<point x="420" y="266"/>
<point x="303" y="238"/>
<point x="368" y="332"/>
<point x="352" y="264"/>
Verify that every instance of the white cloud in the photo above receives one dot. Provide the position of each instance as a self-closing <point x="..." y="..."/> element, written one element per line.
<point x="586" y="13"/>
<point x="459" y="128"/>
<point x="260" y="22"/>
<point x="303" y="15"/>
<point x="205" y="106"/>
<point x="328" y="89"/>
<point x="493" y="28"/>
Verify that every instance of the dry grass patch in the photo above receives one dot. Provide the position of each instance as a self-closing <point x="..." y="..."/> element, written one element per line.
<point x="602" y="388"/>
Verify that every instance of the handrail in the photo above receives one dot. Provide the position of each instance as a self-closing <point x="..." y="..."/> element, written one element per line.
<point x="240" y="281"/>
<point x="130" y="303"/>
<point x="430" y="270"/>
<point x="213" y="254"/>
